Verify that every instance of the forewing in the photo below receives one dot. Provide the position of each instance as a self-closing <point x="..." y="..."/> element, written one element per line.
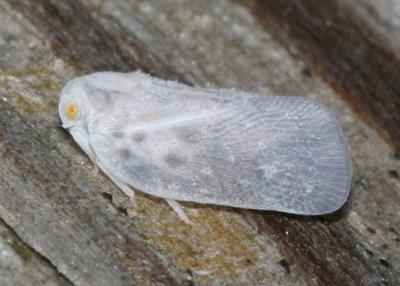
<point x="227" y="148"/>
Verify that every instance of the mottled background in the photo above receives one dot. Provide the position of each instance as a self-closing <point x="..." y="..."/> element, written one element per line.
<point x="59" y="227"/>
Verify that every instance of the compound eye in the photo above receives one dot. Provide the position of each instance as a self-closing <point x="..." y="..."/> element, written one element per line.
<point x="71" y="110"/>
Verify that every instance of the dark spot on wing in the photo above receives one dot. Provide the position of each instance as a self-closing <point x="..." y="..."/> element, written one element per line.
<point x="188" y="135"/>
<point x="125" y="153"/>
<point x="118" y="134"/>
<point x="173" y="160"/>
<point x="139" y="137"/>
<point x="107" y="98"/>
<point x="98" y="94"/>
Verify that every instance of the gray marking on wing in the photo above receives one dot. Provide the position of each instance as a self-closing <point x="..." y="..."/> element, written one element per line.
<point x="139" y="136"/>
<point x="118" y="134"/>
<point x="188" y="135"/>
<point x="174" y="160"/>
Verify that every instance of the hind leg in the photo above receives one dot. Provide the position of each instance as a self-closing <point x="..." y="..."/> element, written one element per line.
<point x="179" y="211"/>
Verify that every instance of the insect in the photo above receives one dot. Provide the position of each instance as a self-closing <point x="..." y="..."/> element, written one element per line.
<point x="211" y="146"/>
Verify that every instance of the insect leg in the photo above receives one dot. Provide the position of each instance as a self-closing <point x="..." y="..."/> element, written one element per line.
<point x="95" y="173"/>
<point x="127" y="191"/>
<point x="179" y="211"/>
<point x="120" y="184"/>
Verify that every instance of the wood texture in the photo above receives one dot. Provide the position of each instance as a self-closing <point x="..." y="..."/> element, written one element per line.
<point x="357" y="61"/>
<point x="80" y="229"/>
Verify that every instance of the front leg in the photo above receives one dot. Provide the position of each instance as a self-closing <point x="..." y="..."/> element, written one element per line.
<point x="125" y="188"/>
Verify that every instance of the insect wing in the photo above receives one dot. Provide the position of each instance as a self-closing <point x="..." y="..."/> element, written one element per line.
<point x="228" y="148"/>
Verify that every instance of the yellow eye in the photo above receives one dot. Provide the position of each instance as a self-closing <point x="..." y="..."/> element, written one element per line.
<point x="71" y="110"/>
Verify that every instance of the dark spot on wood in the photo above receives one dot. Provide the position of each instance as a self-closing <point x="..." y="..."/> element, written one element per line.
<point x="368" y="252"/>
<point x="118" y="134"/>
<point x="393" y="174"/>
<point x="371" y="230"/>
<point x="306" y="72"/>
<point x="392" y="230"/>
<point x="285" y="265"/>
<point x="384" y="262"/>
<point x="139" y="137"/>
<point x="122" y="210"/>
<point x="173" y="160"/>
<point x="247" y="261"/>
<point x="189" y="280"/>
<point x="337" y="42"/>
<point x="107" y="196"/>
<point x="189" y="272"/>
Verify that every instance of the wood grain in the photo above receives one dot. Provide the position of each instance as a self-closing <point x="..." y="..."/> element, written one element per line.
<point x="77" y="37"/>
<point x="359" y="63"/>
<point x="39" y="184"/>
<point x="84" y="229"/>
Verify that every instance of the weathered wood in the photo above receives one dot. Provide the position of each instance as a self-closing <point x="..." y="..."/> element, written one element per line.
<point x="356" y="60"/>
<point x="56" y="208"/>
<point x="21" y="265"/>
<point x="83" y="229"/>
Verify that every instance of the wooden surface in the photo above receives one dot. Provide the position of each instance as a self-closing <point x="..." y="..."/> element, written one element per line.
<point x="60" y="227"/>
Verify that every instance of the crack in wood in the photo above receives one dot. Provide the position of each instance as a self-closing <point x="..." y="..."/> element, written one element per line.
<point x="46" y="261"/>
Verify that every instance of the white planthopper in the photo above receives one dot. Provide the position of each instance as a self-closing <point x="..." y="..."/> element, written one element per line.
<point x="211" y="146"/>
